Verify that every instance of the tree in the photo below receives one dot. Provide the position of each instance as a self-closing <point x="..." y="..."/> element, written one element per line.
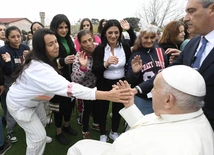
<point x="134" y="22"/>
<point x="95" y="21"/>
<point x="78" y="22"/>
<point x="160" y="12"/>
<point x="24" y="32"/>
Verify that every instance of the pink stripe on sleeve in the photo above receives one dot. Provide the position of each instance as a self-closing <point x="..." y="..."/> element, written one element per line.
<point x="69" y="91"/>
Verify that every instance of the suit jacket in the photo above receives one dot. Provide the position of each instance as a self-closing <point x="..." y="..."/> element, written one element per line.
<point x="206" y="70"/>
<point x="1" y="76"/>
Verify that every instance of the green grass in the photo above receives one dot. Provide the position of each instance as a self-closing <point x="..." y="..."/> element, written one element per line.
<point x="55" y="148"/>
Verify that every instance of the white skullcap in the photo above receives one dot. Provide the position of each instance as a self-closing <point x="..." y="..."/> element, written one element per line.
<point x="185" y="79"/>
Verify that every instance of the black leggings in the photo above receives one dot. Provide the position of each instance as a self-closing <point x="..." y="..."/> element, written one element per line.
<point x="65" y="110"/>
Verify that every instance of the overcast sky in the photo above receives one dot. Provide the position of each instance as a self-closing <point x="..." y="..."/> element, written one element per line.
<point x="73" y="9"/>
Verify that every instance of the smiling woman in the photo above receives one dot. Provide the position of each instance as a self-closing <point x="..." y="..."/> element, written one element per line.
<point x="37" y="80"/>
<point x="109" y="66"/>
<point x="146" y="61"/>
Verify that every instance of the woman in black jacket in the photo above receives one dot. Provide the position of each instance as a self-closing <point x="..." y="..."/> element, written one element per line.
<point x="110" y="61"/>
<point x="61" y="26"/>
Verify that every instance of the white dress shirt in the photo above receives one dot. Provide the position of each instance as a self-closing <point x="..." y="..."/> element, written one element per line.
<point x="209" y="46"/>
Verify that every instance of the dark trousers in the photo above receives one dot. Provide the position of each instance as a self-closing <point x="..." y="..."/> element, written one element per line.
<point x="104" y="107"/>
<point x="65" y="111"/>
<point x="87" y="111"/>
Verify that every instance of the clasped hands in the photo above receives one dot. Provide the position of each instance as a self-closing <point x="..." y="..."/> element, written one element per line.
<point x="111" y="60"/>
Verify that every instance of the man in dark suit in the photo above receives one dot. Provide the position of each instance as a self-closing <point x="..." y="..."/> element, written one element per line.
<point x="200" y="20"/>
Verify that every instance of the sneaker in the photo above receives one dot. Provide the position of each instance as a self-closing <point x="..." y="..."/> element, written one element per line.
<point x="113" y="135"/>
<point x="103" y="138"/>
<point x="62" y="139"/>
<point x="7" y="146"/>
<point x="79" y="119"/>
<point x="69" y="130"/>
<point x="97" y="128"/>
<point x="11" y="136"/>
<point x="48" y="139"/>
<point x="86" y="135"/>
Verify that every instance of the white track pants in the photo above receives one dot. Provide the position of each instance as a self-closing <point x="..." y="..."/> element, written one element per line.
<point x="32" y="120"/>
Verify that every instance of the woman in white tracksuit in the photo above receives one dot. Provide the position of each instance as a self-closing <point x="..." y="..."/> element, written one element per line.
<point x="38" y="81"/>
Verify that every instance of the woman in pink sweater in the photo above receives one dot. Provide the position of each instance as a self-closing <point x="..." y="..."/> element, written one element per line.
<point x="86" y="24"/>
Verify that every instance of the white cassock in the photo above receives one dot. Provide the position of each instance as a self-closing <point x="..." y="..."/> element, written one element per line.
<point x="183" y="134"/>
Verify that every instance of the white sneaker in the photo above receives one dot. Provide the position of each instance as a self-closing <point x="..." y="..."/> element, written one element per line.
<point x="48" y="139"/>
<point x="113" y="135"/>
<point x="103" y="138"/>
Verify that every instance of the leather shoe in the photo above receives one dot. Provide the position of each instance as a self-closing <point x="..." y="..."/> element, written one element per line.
<point x="69" y="130"/>
<point x="62" y="139"/>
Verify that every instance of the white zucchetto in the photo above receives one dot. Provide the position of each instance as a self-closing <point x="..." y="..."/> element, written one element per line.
<point x="185" y="79"/>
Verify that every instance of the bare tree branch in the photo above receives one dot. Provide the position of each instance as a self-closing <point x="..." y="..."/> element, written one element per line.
<point x="160" y="12"/>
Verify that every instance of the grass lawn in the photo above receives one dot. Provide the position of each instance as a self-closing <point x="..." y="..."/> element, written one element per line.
<point x="55" y="148"/>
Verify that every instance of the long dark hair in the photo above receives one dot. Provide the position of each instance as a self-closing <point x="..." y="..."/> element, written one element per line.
<point x="110" y="23"/>
<point x="56" y="21"/>
<point x="31" y="27"/>
<point x="91" y="25"/>
<point x="8" y="31"/>
<point x="100" y="26"/>
<point x="38" y="53"/>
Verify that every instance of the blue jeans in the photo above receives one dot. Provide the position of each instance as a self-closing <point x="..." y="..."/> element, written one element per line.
<point x="11" y="123"/>
<point x="1" y="133"/>
<point x="144" y="105"/>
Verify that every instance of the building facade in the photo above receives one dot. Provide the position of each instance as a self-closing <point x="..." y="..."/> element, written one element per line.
<point x="21" y="23"/>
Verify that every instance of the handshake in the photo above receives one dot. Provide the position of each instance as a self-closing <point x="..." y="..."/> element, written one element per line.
<point x="122" y="93"/>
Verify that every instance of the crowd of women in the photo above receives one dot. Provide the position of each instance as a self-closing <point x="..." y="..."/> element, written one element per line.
<point x="53" y="68"/>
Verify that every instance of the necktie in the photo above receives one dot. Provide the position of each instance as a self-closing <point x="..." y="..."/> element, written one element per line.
<point x="196" y="64"/>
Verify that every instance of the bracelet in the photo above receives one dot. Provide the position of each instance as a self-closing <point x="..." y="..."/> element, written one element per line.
<point x="58" y="64"/>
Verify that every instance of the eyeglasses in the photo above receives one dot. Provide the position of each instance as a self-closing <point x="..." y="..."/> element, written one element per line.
<point x="86" y="25"/>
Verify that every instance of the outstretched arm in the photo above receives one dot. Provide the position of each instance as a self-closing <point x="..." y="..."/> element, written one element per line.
<point x="115" y="95"/>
